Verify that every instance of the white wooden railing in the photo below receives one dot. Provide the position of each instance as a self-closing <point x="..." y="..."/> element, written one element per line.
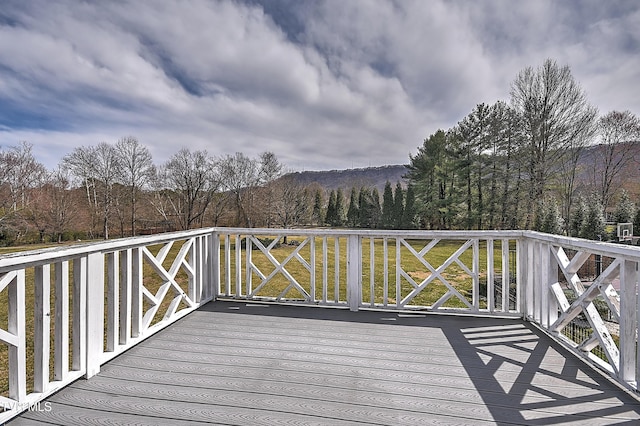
<point x="94" y="301"/>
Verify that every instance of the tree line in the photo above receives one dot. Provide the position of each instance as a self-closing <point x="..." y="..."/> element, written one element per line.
<point x="521" y="165"/>
<point x="116" y="190"/>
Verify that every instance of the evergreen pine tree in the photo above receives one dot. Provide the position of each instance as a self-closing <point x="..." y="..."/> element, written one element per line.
<point x="552" y="220"/>
<point x="409" y="213"/>
<point x="577" y="217"/>
<point x="375" y="214"/>
<point x="340" y="214"/>
<point x="353" y="213"/>
<point x="538" y="222"/>
<point x="398" y="206"/>
<point x="330" y="217"/>
<point x="387" y="206"/>
<point x="593" y="227"/>
<point x="636" y="223"/>
<point x="625" y="210"/>
<point x="363" y="204"/>
<point x="317" y="209"/>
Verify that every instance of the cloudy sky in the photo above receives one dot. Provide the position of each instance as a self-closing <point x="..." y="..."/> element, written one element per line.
<point x="323" y="84"/>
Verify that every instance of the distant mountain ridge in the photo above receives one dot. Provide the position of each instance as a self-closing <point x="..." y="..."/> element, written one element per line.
<point x="350" y="178"/>
<point x="627" y="178"/>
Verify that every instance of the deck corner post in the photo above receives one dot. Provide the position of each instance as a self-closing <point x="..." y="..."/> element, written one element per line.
<point x="354" y="272"/>
<point x="628" y="321"/>
<point x="94" y="313"/>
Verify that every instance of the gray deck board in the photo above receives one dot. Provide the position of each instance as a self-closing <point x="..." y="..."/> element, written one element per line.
<point x="245" y="364"/>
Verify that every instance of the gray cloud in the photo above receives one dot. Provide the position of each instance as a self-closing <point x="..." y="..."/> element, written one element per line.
<point x="327" y="84"/>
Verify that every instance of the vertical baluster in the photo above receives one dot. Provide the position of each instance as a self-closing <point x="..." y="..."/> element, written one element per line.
<point x="113" y="287"/>
<point x="532" y="278"/>
<point x="506" y="279"/>
<point x="79" y="323"/>
<point x="398" y="275"/>
<point x="385" y="290"/>
<point x="336" y="285"/>
<point x="125" y="297"/>
<point x="42" y="322"/>
<point x="137" y="284"/>
<point x="248" y="268"/>
<point x="16" y="326"/>
<point x="227" y="264"/>
<point x="476" y="274"/>
<point x="325" y="269"/>
<point x="549" y="272"/>
<point x="191" y="257"/>
<point x="372" y="269"/>
<point x="490" y="277"/>
<point x="238" y="266"/>
<point x="312" y="272"/>
<point x="61" y="324"/>
<point x="521" y="276"/>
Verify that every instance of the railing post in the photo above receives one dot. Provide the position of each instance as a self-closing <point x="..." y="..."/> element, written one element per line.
<point x="354" y="272"/>
<point x="95" y="312"/>
<point x="629" y="311"/>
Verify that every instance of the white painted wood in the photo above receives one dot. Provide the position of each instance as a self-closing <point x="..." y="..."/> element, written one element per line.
<point x="522" y="272"/>
<point x="42" y="322"/>
<point x="354" y="272"/>
<point x="312" y="269"/>
<point x="490" y="277"/>
<point x="238" y="246"/>
<point x="79" y="325"/>
<point x="399" y="270"/>
<point x="336" y="284"/>
<point x="628" y="320"/>
<point x="125" y="297"/>
<point x="506" y="278"/>
<point x="227" y="264"/>
<point x="385" y="248"/>
<point x="248" y="267"/>
<point x="61" y="326"/>
<point x="475" y="274"/>
<point x="372" y="270"/>
<point x="113" y="296"/>
<point x="436" y="273"/>
<point x="551" y="309"/>
<point x="95" y="315"/>
<point x="325" y="269"/>
<point x="16" y="327"/>
<point x="137" y="286"/>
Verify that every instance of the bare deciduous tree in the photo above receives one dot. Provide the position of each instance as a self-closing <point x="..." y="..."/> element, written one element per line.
<point x="617" y="132"/>
<point x="20" y="173"/>
<point x="240" y="176"/>
<point x="555" y="112"/>
<point x="136" y="169"/>
<point x="193" y="179"/>
<point x="98" y="168"/>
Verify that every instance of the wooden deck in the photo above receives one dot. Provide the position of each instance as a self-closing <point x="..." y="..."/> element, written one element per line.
<point x="246" y="364"/>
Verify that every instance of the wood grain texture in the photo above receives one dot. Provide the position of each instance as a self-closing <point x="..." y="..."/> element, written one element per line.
<point x="246" y="364"/>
